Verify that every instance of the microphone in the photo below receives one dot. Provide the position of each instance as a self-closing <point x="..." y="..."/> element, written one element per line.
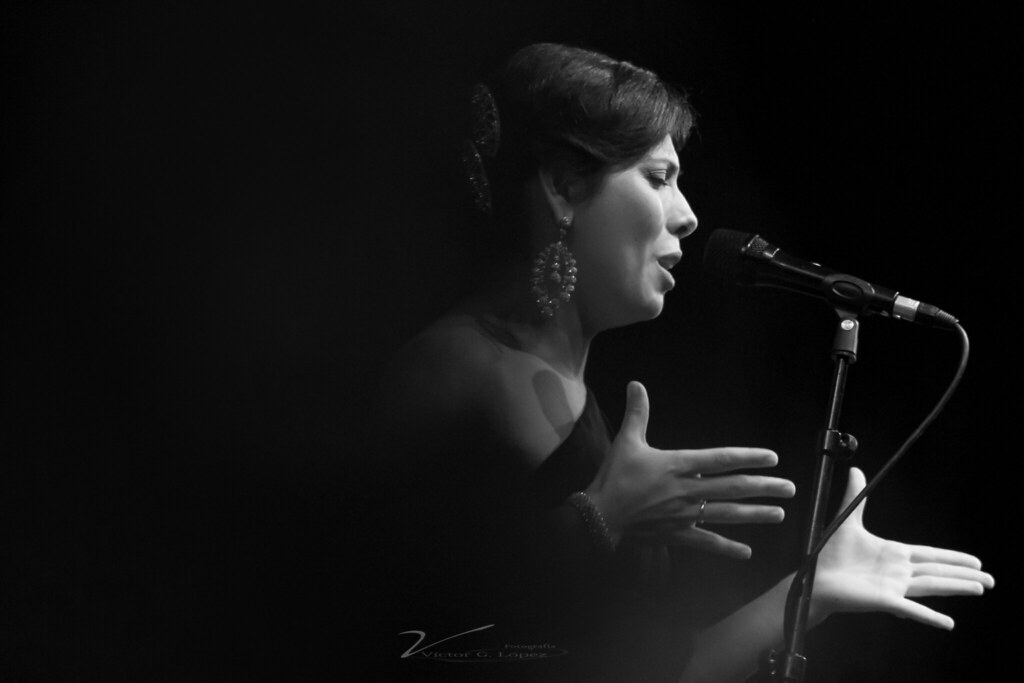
<point x="749" y="260"/>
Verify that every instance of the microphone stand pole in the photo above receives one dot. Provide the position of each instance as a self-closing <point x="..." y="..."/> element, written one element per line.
<point x="790" y="665"/>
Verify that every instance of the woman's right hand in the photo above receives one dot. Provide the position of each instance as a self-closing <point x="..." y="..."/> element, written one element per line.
<point x="657" y="495"/>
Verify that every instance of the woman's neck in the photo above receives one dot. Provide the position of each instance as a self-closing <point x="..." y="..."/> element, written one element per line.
<point x="561" y="340"/>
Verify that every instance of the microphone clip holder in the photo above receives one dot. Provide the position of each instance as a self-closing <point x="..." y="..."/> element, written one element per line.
<point x="840" y="446"/>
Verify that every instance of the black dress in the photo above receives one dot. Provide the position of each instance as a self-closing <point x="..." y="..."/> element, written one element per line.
<point x="493" y="561"/>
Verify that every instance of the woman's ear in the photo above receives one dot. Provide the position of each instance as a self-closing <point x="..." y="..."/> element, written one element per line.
<point x="558" y="194"/>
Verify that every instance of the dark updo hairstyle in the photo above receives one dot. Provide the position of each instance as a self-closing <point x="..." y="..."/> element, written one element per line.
<point x="579" y="114"/>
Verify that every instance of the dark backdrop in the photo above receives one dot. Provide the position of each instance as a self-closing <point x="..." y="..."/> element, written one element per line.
<point x="220" y="221"/>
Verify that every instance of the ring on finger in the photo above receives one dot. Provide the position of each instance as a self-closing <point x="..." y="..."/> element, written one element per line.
<point x="700" y="513"/>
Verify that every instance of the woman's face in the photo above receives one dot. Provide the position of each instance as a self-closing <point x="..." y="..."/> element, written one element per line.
<point x="626" y="239"/>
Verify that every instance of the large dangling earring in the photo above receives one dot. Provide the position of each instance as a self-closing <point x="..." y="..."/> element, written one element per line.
<point x="554" y="273"/>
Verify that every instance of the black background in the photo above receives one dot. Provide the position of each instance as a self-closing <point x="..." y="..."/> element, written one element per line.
<point x="220" y="221"/>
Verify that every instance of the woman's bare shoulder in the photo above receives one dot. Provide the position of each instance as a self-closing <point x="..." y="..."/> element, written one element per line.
<point x="445" y="372"/>
<point x="461" y="376"/>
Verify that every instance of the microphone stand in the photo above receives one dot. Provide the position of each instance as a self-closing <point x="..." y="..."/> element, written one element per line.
<point x="789" y="666"/>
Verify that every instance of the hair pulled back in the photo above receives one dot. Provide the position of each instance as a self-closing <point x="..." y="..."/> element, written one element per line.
<point x="578" y="114"/>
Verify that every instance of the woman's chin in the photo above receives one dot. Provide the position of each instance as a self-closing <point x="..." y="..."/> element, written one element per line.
<point x="651" y="308"/>
<point x="634" y="311"/>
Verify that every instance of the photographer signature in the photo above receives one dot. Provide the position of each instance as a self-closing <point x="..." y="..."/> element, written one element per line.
<point x="422" y="634"/>
<point x="506" y="653"/>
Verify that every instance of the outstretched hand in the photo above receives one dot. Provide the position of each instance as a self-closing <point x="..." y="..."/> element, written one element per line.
<point x="665" y="496"/>
<point x="860" y="572"/>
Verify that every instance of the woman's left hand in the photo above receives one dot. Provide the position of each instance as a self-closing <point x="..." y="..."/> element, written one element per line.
<point x="860" y="572"/>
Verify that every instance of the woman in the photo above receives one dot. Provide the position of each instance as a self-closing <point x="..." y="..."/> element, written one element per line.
<point x="522" y="515"/>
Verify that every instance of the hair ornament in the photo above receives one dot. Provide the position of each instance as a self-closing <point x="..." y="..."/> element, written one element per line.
<point x="477" y="176"/>
<point x="485" y="125"/>
<point x="485" y="136"/>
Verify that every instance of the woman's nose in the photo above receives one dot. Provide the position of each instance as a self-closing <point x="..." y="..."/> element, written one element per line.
<point x="681" y="221"/>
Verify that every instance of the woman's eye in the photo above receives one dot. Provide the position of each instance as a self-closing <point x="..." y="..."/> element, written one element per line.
<point x="658" y="179"/>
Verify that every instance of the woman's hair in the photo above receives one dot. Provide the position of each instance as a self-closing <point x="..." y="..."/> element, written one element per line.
<point x="577" y="113"/>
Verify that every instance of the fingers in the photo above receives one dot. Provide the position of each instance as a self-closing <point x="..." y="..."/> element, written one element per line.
<point x="923" y="553"/>
<point x="708" y="541"/>
<point x="909" y="609"/>
<point x="855" y="483"/>
<point x="925" y="586"/>
<point x="956" y="572"/>
<point x="739" y="486"/>
<point x="714" y="513"/>
<point x="734" y="513"/>
<point x="718" y="460"/>
<point x="941" y="579"/>
<point x="638" y="409"/>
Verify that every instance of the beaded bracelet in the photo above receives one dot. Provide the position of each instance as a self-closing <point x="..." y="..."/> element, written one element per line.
<point x="594" y="520"/>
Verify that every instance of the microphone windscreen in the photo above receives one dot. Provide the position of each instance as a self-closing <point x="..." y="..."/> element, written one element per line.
<point x="723" y="254"/>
